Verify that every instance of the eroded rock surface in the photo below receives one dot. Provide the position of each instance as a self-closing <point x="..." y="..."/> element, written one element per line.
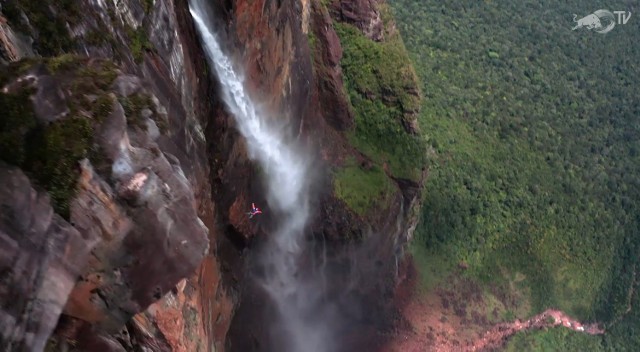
<point x="363" y="14"/>
<point x="145" y="192"/>
<point x="40" y="257"/>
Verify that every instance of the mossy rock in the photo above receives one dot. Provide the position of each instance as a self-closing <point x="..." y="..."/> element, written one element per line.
<point x="17" y="119"/>
<point x="49" y="29"/>
<point x="53" y="154"/>
<point x="383" y="91"/>
<point x="133" y="106"/>
<point x="49" y="152"/>
<point x="63" y="62"/>
<point x="148" y="5"/>
<point x="139" y="43"/>
<point x="362" y="189"/>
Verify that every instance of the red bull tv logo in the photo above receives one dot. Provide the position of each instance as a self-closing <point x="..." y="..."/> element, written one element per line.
<point x="601" y="21"/>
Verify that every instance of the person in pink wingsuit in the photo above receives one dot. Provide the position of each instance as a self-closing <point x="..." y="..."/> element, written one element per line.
<point x="254" y="211"/>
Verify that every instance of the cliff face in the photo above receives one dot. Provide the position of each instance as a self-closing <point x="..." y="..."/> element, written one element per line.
<point x="293" y="55"/>
<point x="125" y="183"/>
<point x="122" y="156"/>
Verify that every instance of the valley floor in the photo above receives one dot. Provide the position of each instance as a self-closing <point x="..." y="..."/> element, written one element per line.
<point x="431" y="322"/>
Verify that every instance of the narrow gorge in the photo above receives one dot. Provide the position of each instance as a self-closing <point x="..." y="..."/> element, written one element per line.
<point x="298" y="322"/>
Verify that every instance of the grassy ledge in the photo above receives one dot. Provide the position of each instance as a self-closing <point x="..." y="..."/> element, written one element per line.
<point x="361" y="189"/>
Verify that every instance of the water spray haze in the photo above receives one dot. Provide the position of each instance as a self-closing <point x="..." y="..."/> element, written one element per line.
<point x="304" y="320"/>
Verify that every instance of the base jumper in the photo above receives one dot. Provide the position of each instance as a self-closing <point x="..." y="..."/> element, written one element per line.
<point x="254" y="211"/>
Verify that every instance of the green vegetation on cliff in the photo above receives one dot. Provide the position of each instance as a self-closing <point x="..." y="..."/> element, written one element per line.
<point x="17" y="119"/>
<point x="51" y="36"/>
<point x="52" y="156"/>
<point x="49" y="152"/>
<point x="383" y="91"/>
<point x="133" y="106"/>
<point x="139" y="43"/>
<point x="553" y="340"/>
<point x="537" y="145"/>
<point x="384" y="95"/>
<point x="362" y="188"/>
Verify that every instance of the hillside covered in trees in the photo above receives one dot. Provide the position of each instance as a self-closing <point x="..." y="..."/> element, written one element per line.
<point x="535" y="139"/>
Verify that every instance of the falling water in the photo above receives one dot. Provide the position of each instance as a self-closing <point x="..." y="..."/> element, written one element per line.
<point x="295" y="296"/>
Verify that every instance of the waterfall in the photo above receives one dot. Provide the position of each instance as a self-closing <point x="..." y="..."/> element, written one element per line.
<point x="303" y="318"/>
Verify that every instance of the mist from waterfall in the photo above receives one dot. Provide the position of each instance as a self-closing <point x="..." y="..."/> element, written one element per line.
<point x="304" y="320"/>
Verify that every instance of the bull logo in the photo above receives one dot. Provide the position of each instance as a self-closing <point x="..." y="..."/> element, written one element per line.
<point x="601" y="21"/>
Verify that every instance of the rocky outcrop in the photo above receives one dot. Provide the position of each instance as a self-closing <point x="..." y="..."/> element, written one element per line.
<point x="145" y="190"/>
<point x="151" y="235"/>
<point x="327" y="52"/>
<point x="132" y="204"/>
<point x="364" y="14"/>
<point x="40" y="257"/>
<point x="14" y="47"/>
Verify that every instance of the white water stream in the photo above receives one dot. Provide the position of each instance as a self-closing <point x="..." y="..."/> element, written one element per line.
<point x="303" y="321"/>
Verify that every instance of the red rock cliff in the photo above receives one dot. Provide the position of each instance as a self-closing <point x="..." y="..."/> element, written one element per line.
<point x="152" y="249"/>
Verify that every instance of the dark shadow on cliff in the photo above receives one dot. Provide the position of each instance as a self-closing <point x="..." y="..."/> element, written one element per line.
<point x="355" y="281"/>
